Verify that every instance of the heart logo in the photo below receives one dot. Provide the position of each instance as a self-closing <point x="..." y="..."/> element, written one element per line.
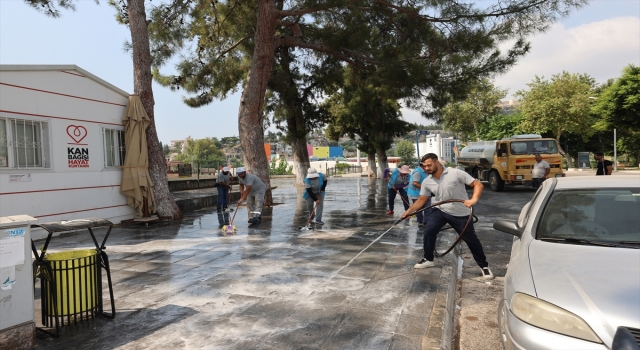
<point x="77" y="133"/>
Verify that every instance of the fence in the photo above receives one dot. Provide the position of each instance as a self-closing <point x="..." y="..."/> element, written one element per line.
<point x="351" y="169"/>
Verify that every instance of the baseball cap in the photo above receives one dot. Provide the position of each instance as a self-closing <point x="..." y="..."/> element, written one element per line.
<point x="404" y="169"/>
<point x="241" y="170"/>
<point x="225" y="169"/>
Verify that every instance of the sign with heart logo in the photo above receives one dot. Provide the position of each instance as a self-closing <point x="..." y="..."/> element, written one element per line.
<point x="77" y="133"/>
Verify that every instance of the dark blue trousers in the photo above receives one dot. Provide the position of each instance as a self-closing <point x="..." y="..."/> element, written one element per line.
<point x="436" y="221"/>
<point x="223" y="196"/>
<point x="392" y="197"/>
<point x="422" y="216"/>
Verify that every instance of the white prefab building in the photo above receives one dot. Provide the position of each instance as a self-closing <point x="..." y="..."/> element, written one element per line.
<point x="444" y="147"/>
<point x="61" y="144"/>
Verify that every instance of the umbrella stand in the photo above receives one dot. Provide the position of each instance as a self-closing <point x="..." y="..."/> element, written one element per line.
<point x="145" y="207"/>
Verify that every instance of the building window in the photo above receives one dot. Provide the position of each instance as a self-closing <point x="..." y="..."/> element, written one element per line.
<point x="113" y="147"/>
<point x="24" y="144"/>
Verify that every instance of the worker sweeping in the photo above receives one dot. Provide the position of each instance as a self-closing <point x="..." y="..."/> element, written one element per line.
<point x="446" y="184"/>
<point x="397" y="185"/>
<point x="252" y="189"/>
<point x="315" y="184"/>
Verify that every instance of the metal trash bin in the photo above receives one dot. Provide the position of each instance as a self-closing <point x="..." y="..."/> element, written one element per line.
<point x="75" y="272"/>
<point x="71" y="281"/>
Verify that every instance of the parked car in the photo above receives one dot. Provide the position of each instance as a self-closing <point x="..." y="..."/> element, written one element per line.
<point x="573" y="280"/>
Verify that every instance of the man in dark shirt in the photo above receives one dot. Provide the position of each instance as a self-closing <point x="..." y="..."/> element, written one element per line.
<point x="605" y="167"/>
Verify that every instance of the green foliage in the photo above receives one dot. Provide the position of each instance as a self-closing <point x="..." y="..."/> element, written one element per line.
<point x="405" y="149"/>
<point x="166" y="150"/>
<point x="280" y="168"/>
<point x="500" y="126"/>
<point x="203" y="153"/>
<point x="236" y="162"/>
<point x="367" y="107"/>
<point x="465" y="117"/>
<point x="342" y="167"/>
<point x="558" y="105"/>
<point x="618" y="106"/>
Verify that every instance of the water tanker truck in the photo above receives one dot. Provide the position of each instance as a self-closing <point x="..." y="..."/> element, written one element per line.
<point x="509" y="161"/>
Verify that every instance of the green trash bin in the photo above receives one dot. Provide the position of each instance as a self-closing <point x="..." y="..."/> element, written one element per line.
<point x="75" y="274"/>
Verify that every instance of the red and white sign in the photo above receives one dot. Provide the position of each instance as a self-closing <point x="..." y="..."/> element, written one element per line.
<point x="77" y="157"/>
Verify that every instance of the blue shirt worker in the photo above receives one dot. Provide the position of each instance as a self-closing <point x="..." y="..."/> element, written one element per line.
<point x="444" y="184"/>
<point x="417" y="177"/>
<point x="223" y="183"/>
<point x="315" y="185"/>
<point x="253" y="189"/>
<point x="397" y="184"/>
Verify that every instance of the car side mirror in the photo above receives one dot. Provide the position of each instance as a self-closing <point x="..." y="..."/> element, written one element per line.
<point x="508" y="226"/>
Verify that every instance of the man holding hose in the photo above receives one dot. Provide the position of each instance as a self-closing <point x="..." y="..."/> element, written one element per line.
<point x="445" y="184"/>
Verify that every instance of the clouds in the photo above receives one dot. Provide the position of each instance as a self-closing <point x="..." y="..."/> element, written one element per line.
<point x="601" y="49"/>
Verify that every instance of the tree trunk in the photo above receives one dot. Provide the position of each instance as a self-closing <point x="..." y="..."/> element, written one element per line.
<point x="296" y="126"/>
<point x="165" y="205"/>
<point x="252" y="100"/>
<point x="371" y="158"/>
<point x="300" y="158"/>
<point x="382" y="161"/>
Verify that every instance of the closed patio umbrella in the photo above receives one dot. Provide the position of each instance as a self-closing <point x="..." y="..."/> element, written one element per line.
<point x="136" y="182"/>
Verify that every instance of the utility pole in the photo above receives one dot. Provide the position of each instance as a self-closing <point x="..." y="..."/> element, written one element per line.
<point x="418" y="133"/>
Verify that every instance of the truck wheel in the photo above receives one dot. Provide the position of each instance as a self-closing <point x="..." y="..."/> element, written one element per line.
<point x="496" y="183"/>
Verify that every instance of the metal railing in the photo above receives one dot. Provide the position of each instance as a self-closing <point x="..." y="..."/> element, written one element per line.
<point x="351" y="169"/>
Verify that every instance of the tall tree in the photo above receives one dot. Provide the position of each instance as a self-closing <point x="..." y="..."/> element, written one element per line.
<point x="406" y="150"/>
<point x="465" y="117"/>
<point x="500" y="126"/>
<point x="451" y="43"/>
<point x="132" y="13"/>
<point x="558" y="105"/>
<point x="367" y="110"/>
<point x="618" y="106"/>
<point x="294" y="103"/>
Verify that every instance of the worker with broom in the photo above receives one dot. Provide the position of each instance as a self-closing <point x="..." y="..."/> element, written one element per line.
<point x="397" y="183"/>
<point x="315" y="184"/>
<point x="253" y="189"/>
<point x="223" y="184"/>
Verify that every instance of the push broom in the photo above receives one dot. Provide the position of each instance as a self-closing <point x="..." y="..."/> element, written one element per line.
<point x="230" y="229"/>
<point x="307" y="227"/>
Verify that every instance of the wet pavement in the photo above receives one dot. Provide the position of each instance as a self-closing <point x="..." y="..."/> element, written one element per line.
<point x="268" y="286"/>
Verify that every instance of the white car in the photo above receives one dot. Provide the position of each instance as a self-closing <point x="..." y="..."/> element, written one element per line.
<point x="573" y="280"/>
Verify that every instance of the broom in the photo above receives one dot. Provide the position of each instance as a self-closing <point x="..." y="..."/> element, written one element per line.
<point x="229" y="229"/>
<point x="308" y="227"/>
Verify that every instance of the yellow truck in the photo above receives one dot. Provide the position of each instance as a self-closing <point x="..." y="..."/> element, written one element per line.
<point x="509" y="161"/>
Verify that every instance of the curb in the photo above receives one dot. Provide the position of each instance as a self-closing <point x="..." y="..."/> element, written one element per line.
<point x="441" y="324"/>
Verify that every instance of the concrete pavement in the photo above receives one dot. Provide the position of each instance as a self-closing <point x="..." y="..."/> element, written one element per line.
<point x="188" y="285"/>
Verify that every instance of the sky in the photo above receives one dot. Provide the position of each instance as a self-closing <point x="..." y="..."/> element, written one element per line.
<point x="599" y="39"/>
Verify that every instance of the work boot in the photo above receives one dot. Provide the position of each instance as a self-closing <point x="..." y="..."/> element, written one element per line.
<point x="253" y="220"/>
<point x="390" y="212"/>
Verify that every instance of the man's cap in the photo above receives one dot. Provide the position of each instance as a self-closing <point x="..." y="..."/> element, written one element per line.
<point x="225" y="169"/>
<point x="312" y="173"/>
<point x="404" y="169"/>
<point x="241" y="170"/>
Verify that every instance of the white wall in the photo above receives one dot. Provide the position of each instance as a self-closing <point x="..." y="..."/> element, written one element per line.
<point x="62" y="193"/>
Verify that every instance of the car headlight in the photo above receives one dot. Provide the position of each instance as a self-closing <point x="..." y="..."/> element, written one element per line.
<point x="547" y="316"/>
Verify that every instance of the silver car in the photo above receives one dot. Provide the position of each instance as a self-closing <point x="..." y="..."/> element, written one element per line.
<point x="573" y="280"/>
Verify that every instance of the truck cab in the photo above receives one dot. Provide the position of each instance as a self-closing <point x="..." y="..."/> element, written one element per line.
<point x="510" y="161"/>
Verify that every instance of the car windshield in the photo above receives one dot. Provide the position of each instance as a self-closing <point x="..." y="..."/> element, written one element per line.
<point x="608" y="215"/>
<point x="537" y="146"/>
